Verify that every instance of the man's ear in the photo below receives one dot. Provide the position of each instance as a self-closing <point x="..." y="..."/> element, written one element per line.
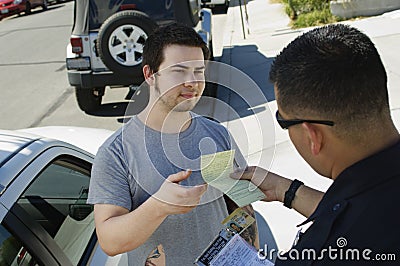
<point x="315" y="136"/>
<point x="148" y="75"/>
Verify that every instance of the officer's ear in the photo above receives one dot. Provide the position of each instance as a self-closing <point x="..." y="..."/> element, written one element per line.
<point x="148" y="75"/>
<point x="315" y="137"/>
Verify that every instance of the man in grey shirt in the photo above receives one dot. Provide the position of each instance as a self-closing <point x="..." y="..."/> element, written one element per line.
<point x="149" y="195"/>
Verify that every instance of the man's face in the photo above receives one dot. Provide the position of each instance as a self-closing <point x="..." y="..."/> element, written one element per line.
<point x="180" y="80"/>
<point x="300" y="139"/>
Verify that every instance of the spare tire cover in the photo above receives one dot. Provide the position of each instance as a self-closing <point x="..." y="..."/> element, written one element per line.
<point x="121" y="39"/>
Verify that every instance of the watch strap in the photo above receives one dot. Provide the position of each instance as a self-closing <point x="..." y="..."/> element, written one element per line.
<point x="291" y="192"/>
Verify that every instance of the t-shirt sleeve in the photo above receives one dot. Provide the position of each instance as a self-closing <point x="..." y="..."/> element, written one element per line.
<point x="109" y="179"/>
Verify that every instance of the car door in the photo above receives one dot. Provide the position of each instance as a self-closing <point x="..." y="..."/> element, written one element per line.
<point x="48" y="221"/>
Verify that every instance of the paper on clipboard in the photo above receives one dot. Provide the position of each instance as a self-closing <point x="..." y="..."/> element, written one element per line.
<point x="237" y="252"/>
<point x="216" y="168"/>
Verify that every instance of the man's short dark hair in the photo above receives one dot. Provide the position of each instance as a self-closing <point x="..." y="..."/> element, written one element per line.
<point x="333" y="73"/>
<point x="172" y="34"/>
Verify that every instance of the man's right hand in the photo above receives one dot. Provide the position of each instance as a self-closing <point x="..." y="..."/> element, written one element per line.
<point x="120" y="230"/>
<point x="177" y="199"/>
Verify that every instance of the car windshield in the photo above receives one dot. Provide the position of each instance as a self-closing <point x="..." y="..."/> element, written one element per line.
<point x="100" y="10"/>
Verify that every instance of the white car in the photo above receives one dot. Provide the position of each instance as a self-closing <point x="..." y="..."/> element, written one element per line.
<point x="43" y="190"/>
<point x="44" y="185"/>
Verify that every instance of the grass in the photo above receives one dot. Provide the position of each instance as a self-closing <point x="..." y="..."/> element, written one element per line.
<point x="308" y="13"/>
<point x="314" y="18"/>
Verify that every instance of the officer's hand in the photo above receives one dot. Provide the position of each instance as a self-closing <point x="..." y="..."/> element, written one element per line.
<point x="272" y="185"/>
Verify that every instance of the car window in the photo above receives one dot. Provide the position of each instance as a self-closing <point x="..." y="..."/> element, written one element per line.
<point x="100" y="10"/>
<point x="12" y="250"/>
<point x="56" y="200"/>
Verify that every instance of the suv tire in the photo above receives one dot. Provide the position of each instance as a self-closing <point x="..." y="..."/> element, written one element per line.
<point x="120" y="42"/>
<point x="45" y="5"/>
<point x="221" y="9"/>
<point x="28" y="8"/>
<point x="89" y="100"/>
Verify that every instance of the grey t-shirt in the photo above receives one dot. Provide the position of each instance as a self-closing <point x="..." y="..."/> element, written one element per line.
<point x="133" y="163"/>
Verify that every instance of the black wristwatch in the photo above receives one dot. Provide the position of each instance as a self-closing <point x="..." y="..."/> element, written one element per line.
<point x="291" y="192"/>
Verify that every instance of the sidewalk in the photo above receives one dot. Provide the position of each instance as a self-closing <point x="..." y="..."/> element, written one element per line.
<point x="251" y="118"/>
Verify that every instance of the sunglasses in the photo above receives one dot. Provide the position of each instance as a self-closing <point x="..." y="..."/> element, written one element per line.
<point x="285" y="124"/>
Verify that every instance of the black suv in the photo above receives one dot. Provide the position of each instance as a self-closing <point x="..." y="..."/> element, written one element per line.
<point x="107" y="40"/>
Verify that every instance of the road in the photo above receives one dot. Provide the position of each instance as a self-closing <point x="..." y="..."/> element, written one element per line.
<point x="34" y="85"/>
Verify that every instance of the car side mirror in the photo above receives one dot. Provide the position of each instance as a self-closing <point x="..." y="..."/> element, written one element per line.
<point x="80" y="211"/>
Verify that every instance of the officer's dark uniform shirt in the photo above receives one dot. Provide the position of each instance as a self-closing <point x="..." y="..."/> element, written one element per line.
<point x="359" y="214"/>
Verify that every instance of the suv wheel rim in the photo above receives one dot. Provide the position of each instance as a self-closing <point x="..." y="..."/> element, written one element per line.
<point x="126" y="45"/>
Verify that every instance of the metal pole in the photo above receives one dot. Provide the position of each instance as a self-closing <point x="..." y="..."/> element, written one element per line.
<point x="241" y="16"/>
<point x="247" y="16"/>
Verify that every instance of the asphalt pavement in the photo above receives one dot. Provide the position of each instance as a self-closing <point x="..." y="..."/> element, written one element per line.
<point x="250" y="44"/>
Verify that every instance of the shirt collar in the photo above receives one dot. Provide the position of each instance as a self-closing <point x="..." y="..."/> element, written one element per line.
<point x="364" y="174"/>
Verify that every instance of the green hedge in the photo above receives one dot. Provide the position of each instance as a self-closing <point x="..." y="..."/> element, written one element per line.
<point x="306" y="13"/>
